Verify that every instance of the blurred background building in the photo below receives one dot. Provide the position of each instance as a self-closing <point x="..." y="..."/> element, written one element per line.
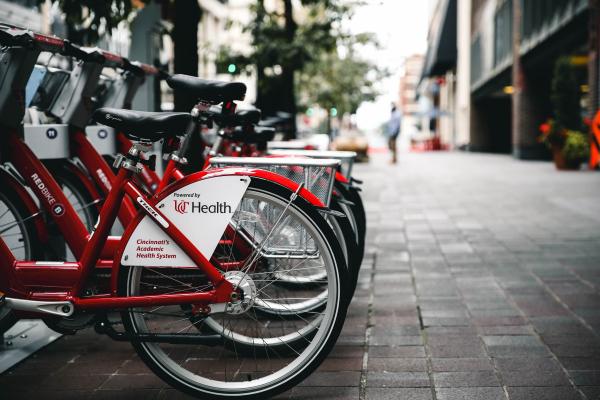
<point x="489" y="67"/>
<point x="412" y="118"/>
<point x="438" y="77"/>
<point x="146" y="38"/>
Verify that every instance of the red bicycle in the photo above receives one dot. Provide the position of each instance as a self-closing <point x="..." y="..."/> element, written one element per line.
<point x="79" y="93"/>
<point x="200" y="323"/>
<point x="89" y="179"/>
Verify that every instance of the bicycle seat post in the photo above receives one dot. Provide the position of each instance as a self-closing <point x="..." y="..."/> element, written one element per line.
<point x="228" y="108"/>
<point x="134" y="158"/>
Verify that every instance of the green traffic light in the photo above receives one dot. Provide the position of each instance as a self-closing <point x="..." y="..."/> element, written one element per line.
<point x="309" y="112"/>
<point x="231" y="68"/>
<point x="333" y="111"/>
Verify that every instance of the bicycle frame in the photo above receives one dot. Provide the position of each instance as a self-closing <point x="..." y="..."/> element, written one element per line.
<point x="73" y="108"/>
<point x="65" y="281"/>
<point x="49" y="193"/>
<point x="101" y="172"/>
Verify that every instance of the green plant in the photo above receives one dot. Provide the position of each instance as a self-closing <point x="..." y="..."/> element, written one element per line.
<point x="565" y="95"/>
<point x="576" y="147"/>
<point x="290" y="39"/>
<point x="89" y="20"/>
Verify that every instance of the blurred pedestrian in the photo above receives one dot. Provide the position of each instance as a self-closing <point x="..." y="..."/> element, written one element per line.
<point x="393" y="131"/>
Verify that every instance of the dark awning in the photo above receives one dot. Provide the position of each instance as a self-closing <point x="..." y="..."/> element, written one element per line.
<point x="441" y="49"/>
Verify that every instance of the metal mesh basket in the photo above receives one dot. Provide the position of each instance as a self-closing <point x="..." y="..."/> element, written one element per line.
<point x="346" y="158"/>
<point x="275" y="234"/>
<point x="317" y="175"/>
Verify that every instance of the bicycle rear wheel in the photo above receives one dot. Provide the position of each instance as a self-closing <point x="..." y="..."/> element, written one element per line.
<point x="259" y="352"/>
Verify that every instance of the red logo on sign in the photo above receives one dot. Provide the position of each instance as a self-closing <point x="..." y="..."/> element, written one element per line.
<point x="181" y="206"/>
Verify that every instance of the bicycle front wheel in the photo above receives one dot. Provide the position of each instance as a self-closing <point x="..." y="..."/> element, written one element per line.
<point x="251" y="350"/>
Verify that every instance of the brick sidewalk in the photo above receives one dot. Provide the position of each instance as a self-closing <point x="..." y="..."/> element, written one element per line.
<point x="481" y="282"/>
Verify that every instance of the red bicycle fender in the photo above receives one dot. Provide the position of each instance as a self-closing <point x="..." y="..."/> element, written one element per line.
<point x="198" y="176"/>
<point x="7" y="180"/>
<point x="340" y="178"/>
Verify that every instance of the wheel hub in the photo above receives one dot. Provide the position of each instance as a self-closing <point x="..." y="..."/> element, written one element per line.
<point x="242" y="300"/>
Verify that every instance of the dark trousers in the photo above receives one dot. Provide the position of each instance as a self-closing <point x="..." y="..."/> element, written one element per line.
<point x="392" y="146"/>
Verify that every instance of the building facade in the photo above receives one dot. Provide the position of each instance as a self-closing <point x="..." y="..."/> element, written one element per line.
<point x="437" y="84"/>
<point x="514" y="47"/>
<point x="222" y="23"/>
<point x="409" y="80"/>
<point x="505" y="56"/>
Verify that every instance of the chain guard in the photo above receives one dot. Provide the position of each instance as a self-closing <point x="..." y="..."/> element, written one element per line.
<point x="72" y="324"/>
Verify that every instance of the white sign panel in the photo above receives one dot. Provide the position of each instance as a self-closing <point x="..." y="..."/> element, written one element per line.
<point x="201" y="210"/>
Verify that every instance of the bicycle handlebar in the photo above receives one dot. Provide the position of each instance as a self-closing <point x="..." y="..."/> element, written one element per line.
<point x="11" y="35"/>
<point x="16" y="36"/>
<point x="49" y="43"/>
<point x="145" y="69"/>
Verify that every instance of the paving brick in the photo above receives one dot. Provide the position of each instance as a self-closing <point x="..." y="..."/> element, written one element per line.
<point x="461" y="364"/>
<point x="60" y="382"/>
<point x="397" y="364"/>
<point x="482" y="393"/>
<point x="530" y="371"/>
<point x="574" y="350"/>
<point x="341" y="364"/>
<point x="505" y="330"/>
<point x="514" y="346"/>
<point x="172" y="394"/>
<point x="138" y="381"/>
<point x="580" y="363"/>
<point x="457" y="351"/>
<point x="333" y="393"/>
<point x="395" y="340"/>
<point x="60" y="395"/>
<point x="387" y="326"/>
<point x="325" y="379"/>
<point x="347" y="352"/>
<point x="397" y="379"/>
<point x="398" y="394"/>
<point x="586" y="378"/>
<point x="435" y="339"/>
<point x="592" y="392"/>
<point x="543" y="393"/>
<point x="131" y="394"/>
<point x="465" y="379"/>
<point x="396" y="352"/>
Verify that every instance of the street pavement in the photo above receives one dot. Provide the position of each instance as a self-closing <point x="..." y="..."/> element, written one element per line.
<point x="481" y="281"/>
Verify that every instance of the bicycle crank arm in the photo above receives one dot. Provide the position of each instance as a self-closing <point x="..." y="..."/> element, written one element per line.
<point x="56" y="308"/>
